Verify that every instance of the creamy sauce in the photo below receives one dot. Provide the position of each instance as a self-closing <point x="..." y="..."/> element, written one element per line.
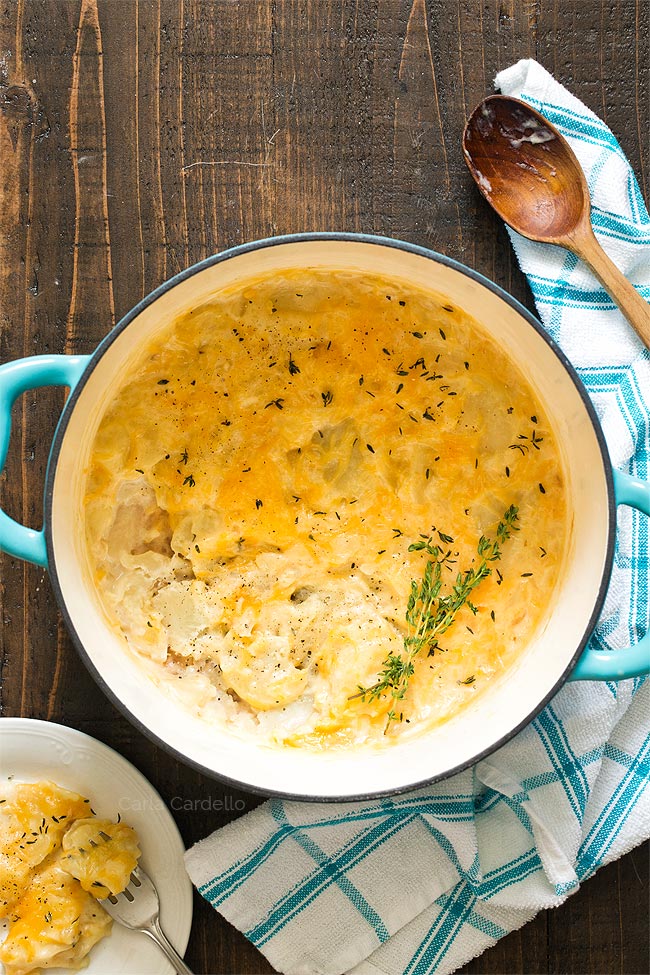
<point x="255" y="486"/>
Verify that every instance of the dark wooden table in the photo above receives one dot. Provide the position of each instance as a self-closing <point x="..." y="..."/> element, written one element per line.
<point x="137" y="138"/>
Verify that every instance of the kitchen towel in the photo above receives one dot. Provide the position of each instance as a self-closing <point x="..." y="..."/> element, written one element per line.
<point x="422" y="882"/>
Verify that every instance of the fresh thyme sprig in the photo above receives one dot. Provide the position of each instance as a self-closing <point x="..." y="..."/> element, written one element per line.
<point x="429" y="615"/>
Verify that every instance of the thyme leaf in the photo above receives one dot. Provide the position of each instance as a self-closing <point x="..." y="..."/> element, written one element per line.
<point x="429" y="614"/>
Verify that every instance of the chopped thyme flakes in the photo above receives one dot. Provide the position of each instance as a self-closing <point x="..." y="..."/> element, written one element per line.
<point x="327" y="470"/>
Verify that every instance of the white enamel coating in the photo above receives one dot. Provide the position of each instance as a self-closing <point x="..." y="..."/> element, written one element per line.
<point x="497" y="711"/>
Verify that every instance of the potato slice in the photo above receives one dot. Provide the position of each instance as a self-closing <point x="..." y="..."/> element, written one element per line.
<point x="34" y="817"/>
<point x="55" y="924"/>
<point x="101" y="855"/>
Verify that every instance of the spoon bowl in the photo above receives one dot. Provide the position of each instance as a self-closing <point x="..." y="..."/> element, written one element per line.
<point x="529" y="174"/>
<point x="525" y="169"/>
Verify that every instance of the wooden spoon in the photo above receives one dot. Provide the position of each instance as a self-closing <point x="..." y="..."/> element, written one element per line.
<point x="528" y="173"/>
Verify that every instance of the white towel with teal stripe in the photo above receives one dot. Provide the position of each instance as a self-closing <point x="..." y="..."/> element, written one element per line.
<point x="423" y="882"/>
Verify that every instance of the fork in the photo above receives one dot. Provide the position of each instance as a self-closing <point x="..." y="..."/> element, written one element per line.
<point x="138" y="908"/>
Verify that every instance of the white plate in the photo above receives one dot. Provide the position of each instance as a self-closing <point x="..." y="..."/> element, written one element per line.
<point x="33" y="750"/>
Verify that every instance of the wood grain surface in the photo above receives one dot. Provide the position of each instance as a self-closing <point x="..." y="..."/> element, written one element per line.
<point x="137" y="138"/>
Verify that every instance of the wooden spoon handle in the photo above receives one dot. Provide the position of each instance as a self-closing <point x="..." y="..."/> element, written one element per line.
<point x="628" y="299"/>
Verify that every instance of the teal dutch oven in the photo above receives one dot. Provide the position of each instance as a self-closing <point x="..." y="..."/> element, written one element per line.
<point x="560" y="651"/>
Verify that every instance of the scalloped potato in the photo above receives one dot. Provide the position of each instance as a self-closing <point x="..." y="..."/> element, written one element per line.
<point x="101" y="855"/>
<point x="50" y="882"/>
<point x="257" y="482"/>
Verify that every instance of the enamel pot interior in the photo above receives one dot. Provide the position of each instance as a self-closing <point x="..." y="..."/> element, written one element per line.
<point x="497" y="712"/>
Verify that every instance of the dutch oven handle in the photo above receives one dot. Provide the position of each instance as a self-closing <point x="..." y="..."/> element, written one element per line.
<point x="15" y="378"/>
<point x="632" y="661"/>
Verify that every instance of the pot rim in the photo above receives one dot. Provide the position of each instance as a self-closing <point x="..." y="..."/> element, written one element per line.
<point x="306" y="237"/>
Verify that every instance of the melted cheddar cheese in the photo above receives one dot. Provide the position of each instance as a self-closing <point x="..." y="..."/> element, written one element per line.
<point x="49" y="882"/>
<point x="258" y="479"/>
<point x="55" y="925"/>
<point x="33" y="820"/>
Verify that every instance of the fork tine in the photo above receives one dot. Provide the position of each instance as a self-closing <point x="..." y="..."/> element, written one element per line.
<point x="138" y="909"/>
